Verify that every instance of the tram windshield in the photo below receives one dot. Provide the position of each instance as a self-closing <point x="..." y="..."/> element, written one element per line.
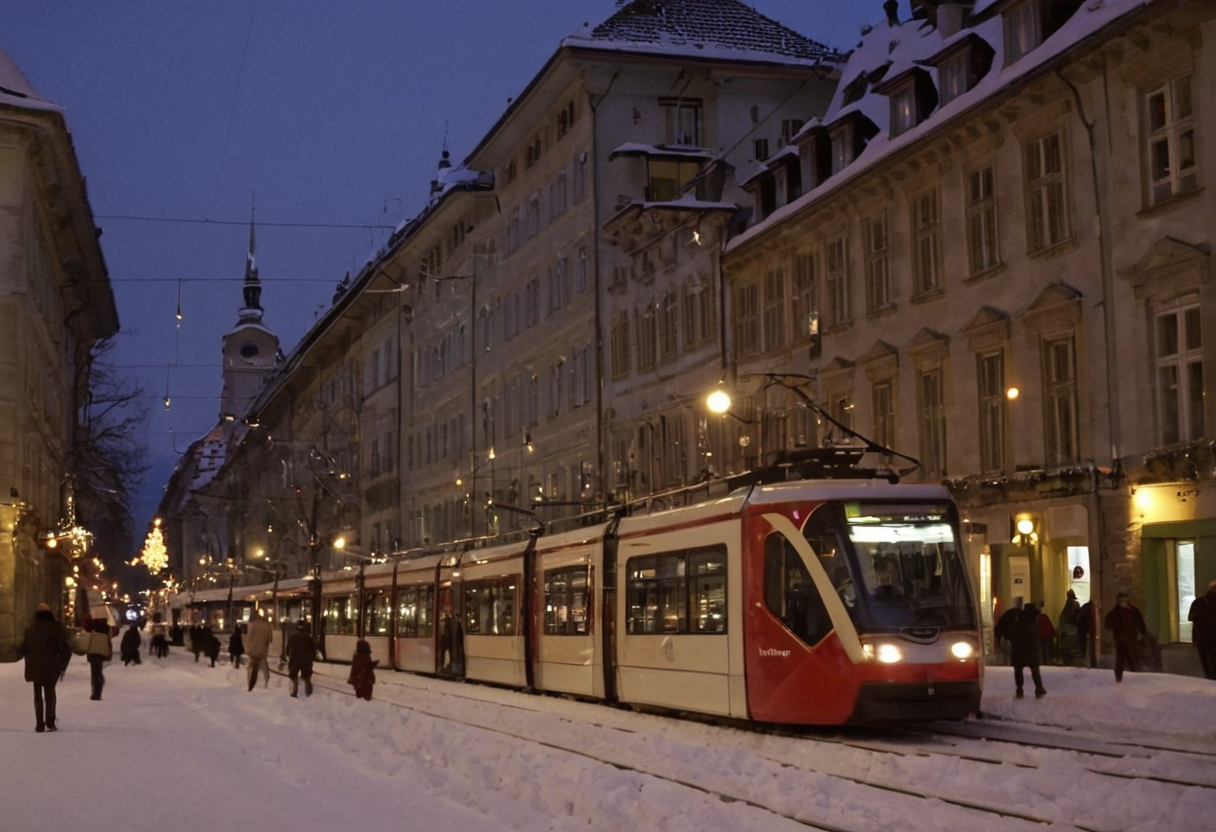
<point x="894" y="564"/>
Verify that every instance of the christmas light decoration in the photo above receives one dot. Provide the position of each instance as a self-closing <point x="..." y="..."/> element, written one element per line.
<point x="154" y="555"/>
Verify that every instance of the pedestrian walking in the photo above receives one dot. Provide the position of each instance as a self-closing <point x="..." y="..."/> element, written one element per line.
<point x="129" y="646"/>
<point x="46" y="651"/>
<point x="1066" y="628"/>
<point x="100" y="651"/>
<point x="1202" y="616"/>
<point x="236" y="645"/>
<point x="257" y="648"/>
<point x="1025" y="648"/>
<point x="1047" y="635"/>
<point x="1127" y="624"/>
<point x="1087" y="633"/>
<point x="362" y="670"/>
<point x="211" y="646"/>
<point x="300" y="652"/>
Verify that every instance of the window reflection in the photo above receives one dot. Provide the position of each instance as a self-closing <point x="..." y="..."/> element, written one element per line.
<point x="678" y="592"/>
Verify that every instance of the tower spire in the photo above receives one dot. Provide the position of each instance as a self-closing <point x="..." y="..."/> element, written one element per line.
<point x="252" y="310"/>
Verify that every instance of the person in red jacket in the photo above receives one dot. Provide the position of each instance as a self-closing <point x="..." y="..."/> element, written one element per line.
<point x="1127" y="624"/>
<point x="362" y="670"/>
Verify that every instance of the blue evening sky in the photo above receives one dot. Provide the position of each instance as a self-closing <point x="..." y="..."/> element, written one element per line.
<point x="332" y="112"/>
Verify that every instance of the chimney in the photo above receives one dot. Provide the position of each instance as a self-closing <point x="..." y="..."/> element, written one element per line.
<point x="950" y="14"/>
<point x="891" y="7"/>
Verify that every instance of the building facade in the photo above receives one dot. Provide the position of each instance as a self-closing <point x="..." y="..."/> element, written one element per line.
<point x="55" y="304"/>
<point x="1002" y="242"/>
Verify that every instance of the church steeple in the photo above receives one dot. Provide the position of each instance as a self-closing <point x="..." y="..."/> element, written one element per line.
<point x="252" y="310"/>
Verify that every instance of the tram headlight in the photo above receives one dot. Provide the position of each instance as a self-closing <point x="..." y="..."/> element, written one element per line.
<point x="962" y="650"/>
<point x="889" y="654"/>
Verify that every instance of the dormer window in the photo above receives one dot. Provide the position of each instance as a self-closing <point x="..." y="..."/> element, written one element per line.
<point x="960" y="65"/>
<point x="842" y="147"/>
<point x="912" y="97"/>
<point x="1023" y="30"/>
<point x="903" y="110"/>
<point x="952" y="78"/>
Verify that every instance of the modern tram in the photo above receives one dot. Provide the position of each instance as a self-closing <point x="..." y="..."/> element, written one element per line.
<point x="805" y="602"/>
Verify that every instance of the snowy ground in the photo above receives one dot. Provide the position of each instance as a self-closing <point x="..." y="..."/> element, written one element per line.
<point x="175" y="744"/>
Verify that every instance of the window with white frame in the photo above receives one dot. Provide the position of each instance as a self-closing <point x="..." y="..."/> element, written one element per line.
<point x="903" y="110"/>
<point x="1022" y="32"/>
<point x="554" y="399"/>
<point x="682" y="121"/>
<point x="878" y="290"/>
<point x="837" y="279"/>
<point x="1170" y="139"/>
<point x="804" y="301"/>
<point x="669" y="325"/>
<point x="931" y="396"/>
<point x="983" y="245"/>
<point x="647" y="326"/>
<point x="1060" y="400"/>
<point x="953" y="76"/>
<point x="883" y="412"/>
<point x="842" y="147"/>
<point x="620" y="343"/>
<point x="774" y="310"/>
<point x="926" y="235"/>
<point x="579" y="185"/>
<point x="582" y="278"/>
<point x="990" y="389"/>
<point x="698" y="310"/>
<point x="747" y="319"/>
<point x="1179" y="359"/>
<point x="1046" y="185"/>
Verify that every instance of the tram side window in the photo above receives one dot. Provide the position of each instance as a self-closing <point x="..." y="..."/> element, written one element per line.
<point x="414" y="611"/>
<point x="820" y="533"/>
<point x="489" y="606"/>
<point x="790" y="594"/>
<point x="566" y="601"/>
<point x="341" y="615"/>
<point x="678" y="592"/>
<point x="377" y="607"/>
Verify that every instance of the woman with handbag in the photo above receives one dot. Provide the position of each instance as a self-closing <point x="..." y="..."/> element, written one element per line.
<point x="100" y="651"/>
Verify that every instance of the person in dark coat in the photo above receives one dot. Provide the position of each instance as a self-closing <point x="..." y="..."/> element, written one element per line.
<point x="362" y="670"/>
<point x="100" y="651"/>
<point x="47" y="653"/>
<point x="211" y="646"/>
<point x="1127" y="624"/>
<point x="1087" y="633"/>
<point x="300" y="652"/>
<point x="129" y="646"/>
<point x="1024" y="648"/>
<point x="1202" y="616"/>
<point x="1047" y="635"/>
<point x="236" y="645"/>
<point x="1066" y="628"/>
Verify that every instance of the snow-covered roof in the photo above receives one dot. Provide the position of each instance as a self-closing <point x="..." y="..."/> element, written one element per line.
<point x="898" y="48"/>
<point x="725" y="29"/>
<point x="667" y="151"/>
<point x="16" y="91"/>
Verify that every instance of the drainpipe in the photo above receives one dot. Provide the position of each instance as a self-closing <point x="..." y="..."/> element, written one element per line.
<point x="1105" y="265"/>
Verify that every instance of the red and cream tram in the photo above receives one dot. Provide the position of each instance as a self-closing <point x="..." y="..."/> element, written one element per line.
<point x="803" y="602"/>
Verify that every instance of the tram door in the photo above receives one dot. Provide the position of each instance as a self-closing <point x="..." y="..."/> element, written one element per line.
<point x="450" y="609"/>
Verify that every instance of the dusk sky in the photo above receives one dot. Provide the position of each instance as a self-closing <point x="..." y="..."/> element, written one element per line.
<point x="333" y="114"/>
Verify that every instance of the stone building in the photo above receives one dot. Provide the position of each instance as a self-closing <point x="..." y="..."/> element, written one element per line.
<point x="1001" y="237"/>
<point x="55" y="304"/>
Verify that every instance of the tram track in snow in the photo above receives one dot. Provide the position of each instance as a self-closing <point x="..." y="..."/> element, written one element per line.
<point x="492" y="696"/>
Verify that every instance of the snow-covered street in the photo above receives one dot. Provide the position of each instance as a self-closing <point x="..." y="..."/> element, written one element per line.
<point x="173" y="740"/>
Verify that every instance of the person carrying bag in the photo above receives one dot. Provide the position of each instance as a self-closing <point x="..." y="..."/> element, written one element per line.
<point x="100" y="651"/>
